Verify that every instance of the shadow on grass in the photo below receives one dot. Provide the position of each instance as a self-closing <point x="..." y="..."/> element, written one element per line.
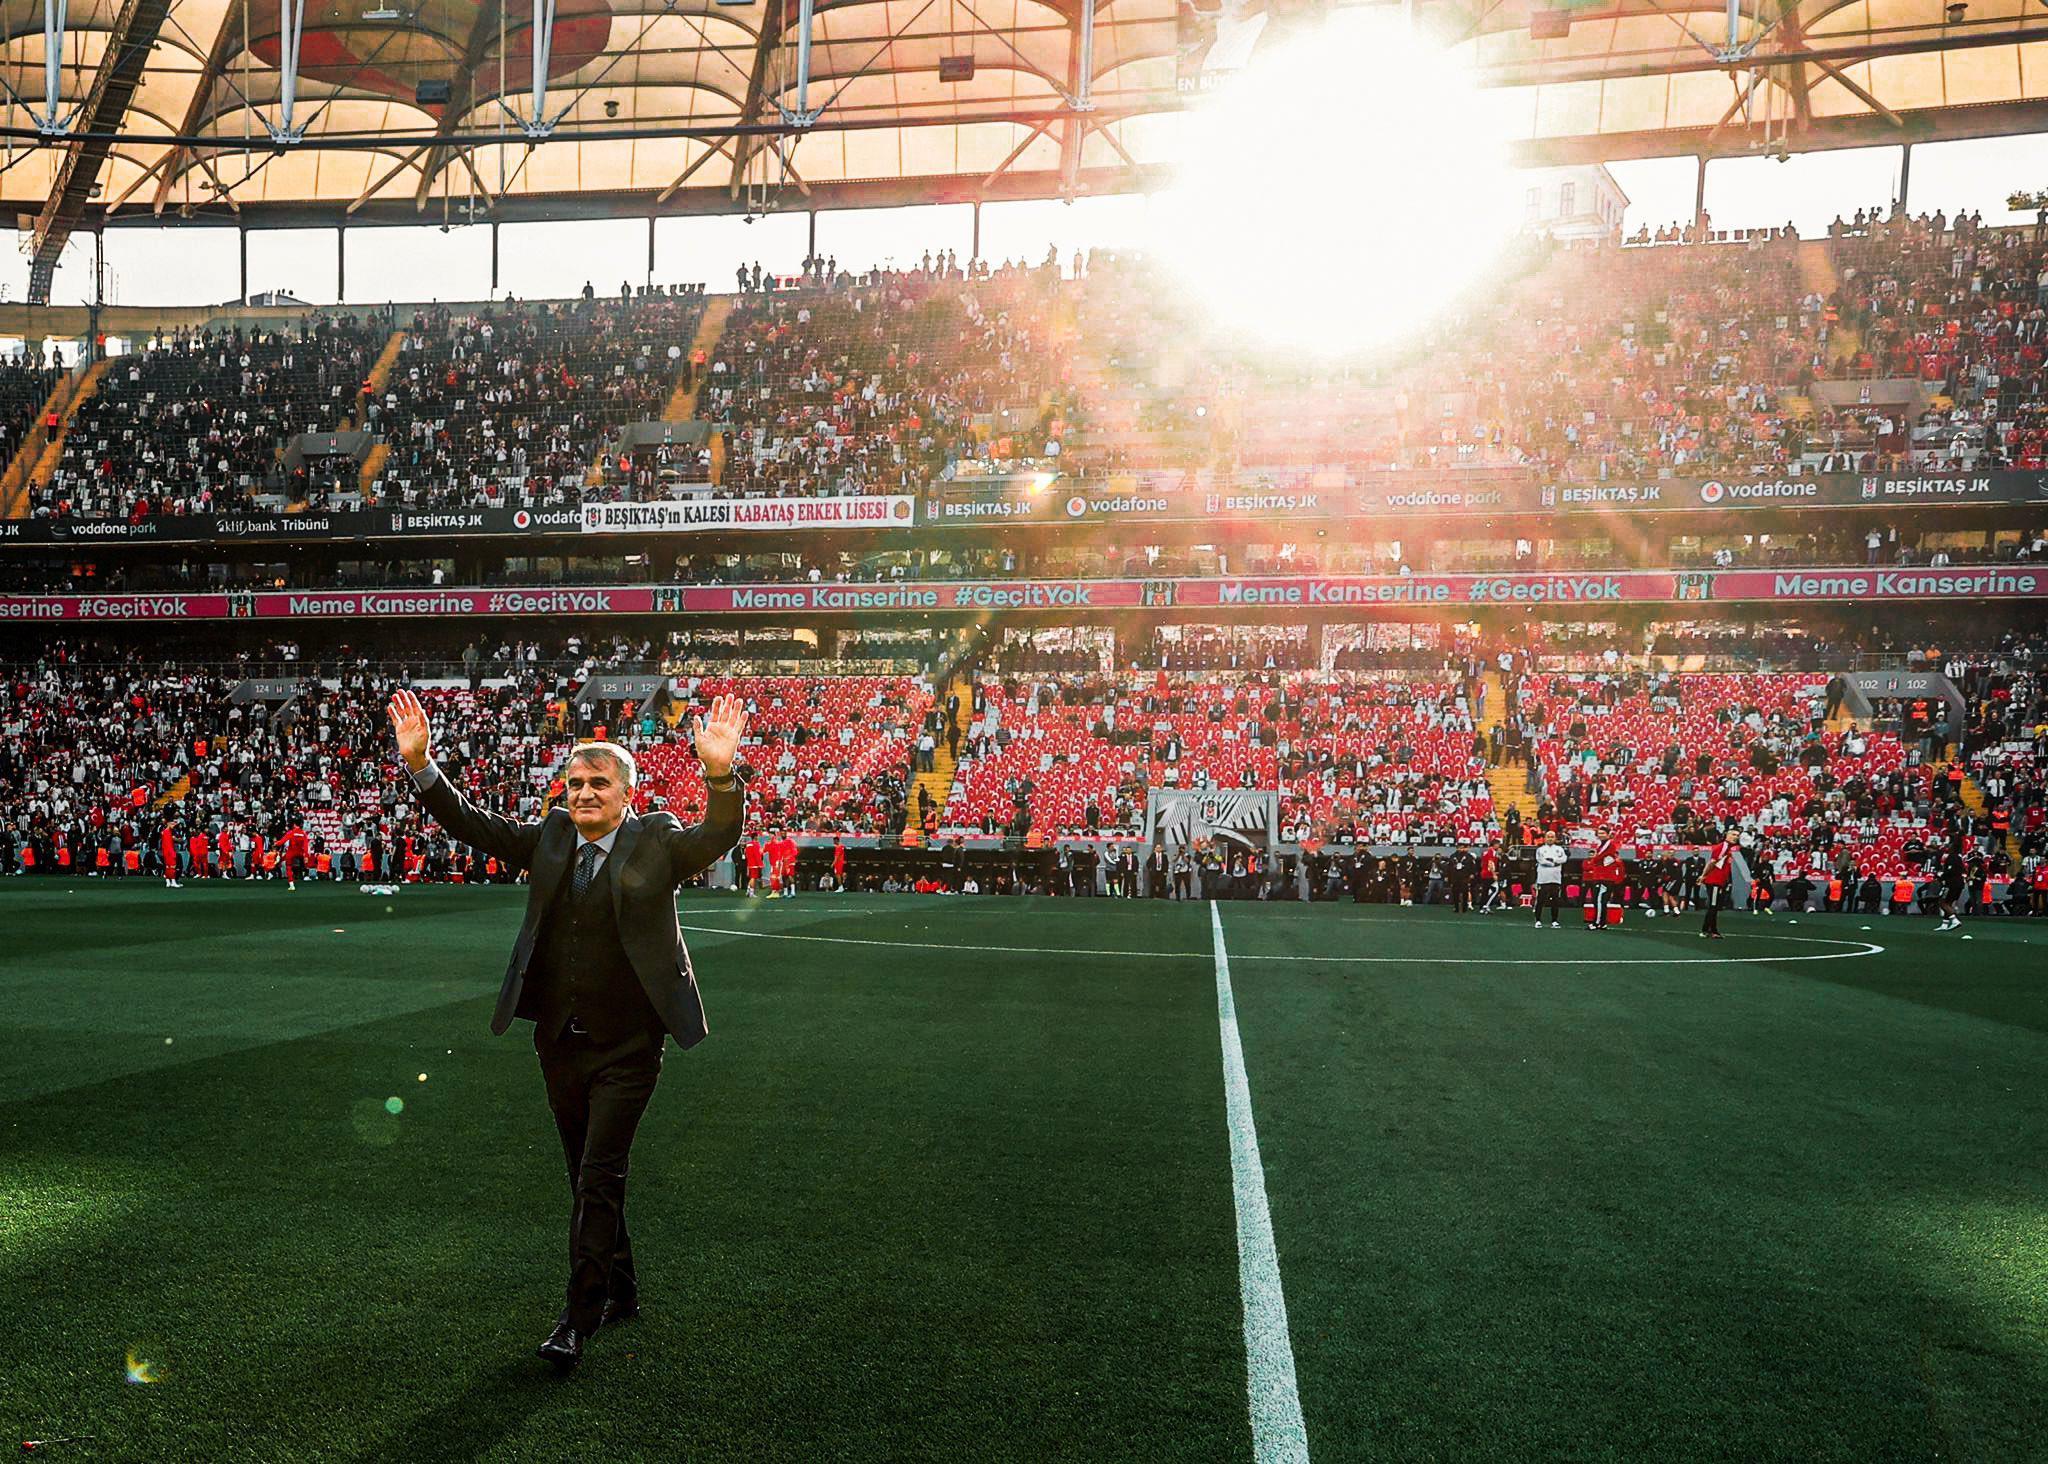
<point x="495" y="1405"/>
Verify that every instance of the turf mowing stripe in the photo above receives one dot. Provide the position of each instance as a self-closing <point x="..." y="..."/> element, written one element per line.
<point x="1277" y="1430"/>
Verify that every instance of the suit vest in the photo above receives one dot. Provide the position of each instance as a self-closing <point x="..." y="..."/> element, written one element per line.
<point x="580" y="967"/>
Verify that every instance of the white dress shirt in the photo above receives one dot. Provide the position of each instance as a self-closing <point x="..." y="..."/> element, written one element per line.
<point x="604" y="851"/>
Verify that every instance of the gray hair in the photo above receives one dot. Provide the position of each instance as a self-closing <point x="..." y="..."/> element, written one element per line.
<point x="604" y="752"/>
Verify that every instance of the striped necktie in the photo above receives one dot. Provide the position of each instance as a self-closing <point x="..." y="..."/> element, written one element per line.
<point x="586" y="867"/>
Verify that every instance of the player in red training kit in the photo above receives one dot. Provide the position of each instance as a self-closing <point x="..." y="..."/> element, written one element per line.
<point x="169" y="847"/>
<point x="752" y="854"/>
<point x="1604" y="871"/>
<point x="1714" y="881"/>
<point x="292" y="852"/>
<point x="782" y="864"/>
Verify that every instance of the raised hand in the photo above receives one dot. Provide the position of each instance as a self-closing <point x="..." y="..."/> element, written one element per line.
<point x="409" y="721"/>
<point x="718" y="736"/>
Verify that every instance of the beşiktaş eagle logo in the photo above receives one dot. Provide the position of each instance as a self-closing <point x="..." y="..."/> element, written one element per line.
<point x="1240" y="817"/>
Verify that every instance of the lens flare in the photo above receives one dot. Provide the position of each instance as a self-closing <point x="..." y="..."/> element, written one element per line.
<point x="141" y="1369"/>
<point x="1341" y="191"/>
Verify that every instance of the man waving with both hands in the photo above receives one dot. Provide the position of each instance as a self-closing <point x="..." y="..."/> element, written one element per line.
<point x="599" y="968"/>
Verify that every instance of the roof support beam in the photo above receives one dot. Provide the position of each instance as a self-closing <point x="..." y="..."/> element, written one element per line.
<point x="752" y="109"/>
<point x="220" y="186"/>
<point x="389" y="173"/>
<point x="1083" y="90"/>
<point x="291" y="28"/>
<point x="1017" y="152"/>
<point x="540" y="46"/>
<point x="683" y="177"/>
<point x="1740" y="104"/>
<point x="803" y="116"/>
<point x="1800" y="84"/>
<point x="468" y="156"/>
<point x="1109" y="137"/>
<point x="462" y="95"/>
<point x="233" y="23"/>
<point x="55" y="12"/>
<point x="98" y="118"/>
<point x="1849" y="85"/>
<point x="1680" y="61"/>
<point x="1863" y="129"/>
<point x="1073" y="130"/>
<point x="133" y="188"/>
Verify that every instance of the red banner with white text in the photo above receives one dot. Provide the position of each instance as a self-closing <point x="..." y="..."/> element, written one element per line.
<point x="1308" y="594"/>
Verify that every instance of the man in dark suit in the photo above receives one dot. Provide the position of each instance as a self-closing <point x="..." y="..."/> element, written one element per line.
<point x="599" y="968"/>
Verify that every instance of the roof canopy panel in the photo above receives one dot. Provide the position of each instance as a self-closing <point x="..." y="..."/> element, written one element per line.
<point x="700" y="106"/>
<point x="1658" y="78"/>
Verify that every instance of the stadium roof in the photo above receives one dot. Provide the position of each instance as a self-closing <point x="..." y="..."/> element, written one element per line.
<point x="189" y="108"/>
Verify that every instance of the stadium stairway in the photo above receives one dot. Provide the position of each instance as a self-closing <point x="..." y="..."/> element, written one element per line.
<point x="173" y="794"/>
<point x="937" y="785"/>
<point x="1509" y="785"/>
<point x="379" y="374"/>
<point x="682" y="403"/>
<point x="1974" y="800"/>
<point x="1817" y="268"/>
<point x="380" y="451"/>
<point x="1818" y="275"/>
<point x="14" y="485"/>
<point x="372" y="470"/>
<point x="53" y="450"/>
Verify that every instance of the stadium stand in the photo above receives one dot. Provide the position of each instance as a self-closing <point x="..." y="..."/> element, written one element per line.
<point x="829" y="754"/>
<point x="1611" y="363"/>
<point x="197" y="423"/>
<point x="515" y="406"/>
<point x="1600" y="364"/>
<point x="102" y="754"/>
<point x="1683" y="755"/>
<point x="879" y="389"/>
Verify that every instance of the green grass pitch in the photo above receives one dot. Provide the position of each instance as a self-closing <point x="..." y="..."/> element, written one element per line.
<point x="951" y="1179"/>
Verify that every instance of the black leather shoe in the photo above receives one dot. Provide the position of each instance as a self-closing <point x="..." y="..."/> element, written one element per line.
<point x="564" y="1347"/>
<point x="618" y="1310"/>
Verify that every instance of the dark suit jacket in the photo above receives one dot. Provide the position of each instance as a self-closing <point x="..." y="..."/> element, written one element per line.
<point x="649" y="859"/>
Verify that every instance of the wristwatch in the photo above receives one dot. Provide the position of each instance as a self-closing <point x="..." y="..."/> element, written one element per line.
<point x="722" y="785"/>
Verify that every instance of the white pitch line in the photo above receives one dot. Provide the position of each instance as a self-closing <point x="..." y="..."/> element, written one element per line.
<point x="1278" y="1433"/>
<point x="1859" y="948"/>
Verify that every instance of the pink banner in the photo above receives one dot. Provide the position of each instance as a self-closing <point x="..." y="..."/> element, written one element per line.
<point x="1307" y="594"/>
